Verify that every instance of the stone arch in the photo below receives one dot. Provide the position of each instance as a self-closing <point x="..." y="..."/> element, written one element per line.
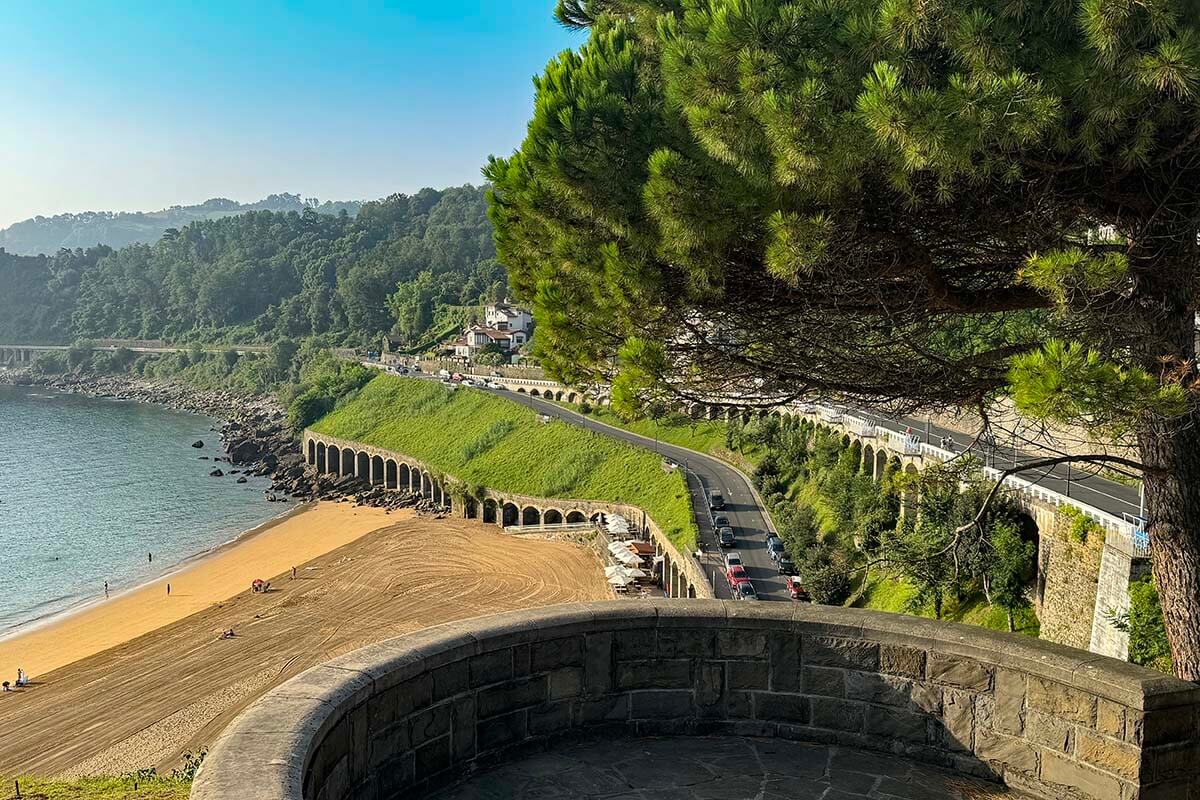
<point x="334" y="456"/>
<point x="558" y="396"/>
<point x="377" y="476"/>
<point x="521" y="390"/>
<point x="470" y="508"/>
<point x="534" y="393"/>
<point x="362" y="465"/>
<point x="311" y="457"/>
<point x="530" y="516"/>
<point x="389" y="475"/>
<point x="845" y="440"/>
<point x="511" y="514"/>
<point x="404" y="477"/>
<point x="868" y="460"/>
<point x="490" y="510"/>
<point x="426" y="485"/>
<point x="576" y="516"/>
<point x="881" y="457"/>
<point x="348" y="461"/>
<point x="571" y="397"/>
<point x="321" y="460"/>
<point x="552" y="517"/>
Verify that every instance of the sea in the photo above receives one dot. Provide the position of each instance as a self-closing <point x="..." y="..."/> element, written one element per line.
<point x="95" y="490"/>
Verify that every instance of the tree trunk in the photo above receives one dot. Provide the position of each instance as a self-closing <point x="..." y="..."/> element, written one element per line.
<point x="1011" y="628"/>
<point x="1170" y="447"/>
<point x="1173" y="514"/>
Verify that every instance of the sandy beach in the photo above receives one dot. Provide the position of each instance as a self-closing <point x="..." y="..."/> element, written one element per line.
<point x="264" y="552"/>
<point x="138" y="680"/>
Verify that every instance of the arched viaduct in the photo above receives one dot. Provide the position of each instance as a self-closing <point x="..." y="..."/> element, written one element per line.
<point x="682" y="576"/>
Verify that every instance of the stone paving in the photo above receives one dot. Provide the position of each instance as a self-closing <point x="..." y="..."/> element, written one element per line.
<point x="717" y="768"/>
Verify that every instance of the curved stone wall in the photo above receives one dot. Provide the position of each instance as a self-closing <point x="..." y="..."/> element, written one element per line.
<point x="403" y="716"/>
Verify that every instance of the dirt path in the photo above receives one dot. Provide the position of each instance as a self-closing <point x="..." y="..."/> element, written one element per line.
<point x="145" y="702"/>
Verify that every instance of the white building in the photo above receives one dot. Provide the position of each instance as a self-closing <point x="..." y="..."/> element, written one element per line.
<point x="477" y="337"/>
<point x="505" y="317"/>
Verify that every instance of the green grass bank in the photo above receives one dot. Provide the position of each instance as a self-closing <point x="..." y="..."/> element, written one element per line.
<point x="97" y="788"/>
<point x="485" y="440"/>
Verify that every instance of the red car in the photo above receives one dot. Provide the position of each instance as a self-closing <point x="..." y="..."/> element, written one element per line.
<point x="796" y="591"/>
<point x="736" y="574"/>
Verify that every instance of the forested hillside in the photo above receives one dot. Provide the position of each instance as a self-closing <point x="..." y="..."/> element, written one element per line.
<point x="119" y="229"/>
<point x="263" y="275"/>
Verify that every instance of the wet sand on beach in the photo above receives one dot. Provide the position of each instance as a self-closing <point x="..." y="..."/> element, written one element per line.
<point x="172" y="690"/>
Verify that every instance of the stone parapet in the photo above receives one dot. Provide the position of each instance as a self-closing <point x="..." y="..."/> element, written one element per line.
<point x="407" y="715"/>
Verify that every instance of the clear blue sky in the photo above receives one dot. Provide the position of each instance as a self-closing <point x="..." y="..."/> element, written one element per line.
<point x="142" y="105"/>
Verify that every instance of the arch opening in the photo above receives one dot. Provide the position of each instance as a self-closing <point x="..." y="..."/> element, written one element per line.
<point x="531" y="516"/>
<point x="511" y="515"/>
<point x="489" y="510"/>
<point x="552" y="517"/>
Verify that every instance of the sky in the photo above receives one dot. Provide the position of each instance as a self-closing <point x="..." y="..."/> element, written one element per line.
<point x="136" y="106"/>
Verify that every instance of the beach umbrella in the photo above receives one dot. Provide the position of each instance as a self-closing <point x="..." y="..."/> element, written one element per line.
<point x="620" y="580"/>
<point x="615" y="547"/>
<point x="615" y="571"/>
<point x="626" y="557"/>
<point x="634" y="572"/>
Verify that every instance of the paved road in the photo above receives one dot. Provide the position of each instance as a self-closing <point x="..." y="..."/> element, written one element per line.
<point x="705" y="473"/>
<point x="1107" y="495"/>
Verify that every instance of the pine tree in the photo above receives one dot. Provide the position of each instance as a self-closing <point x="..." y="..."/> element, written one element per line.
<point x="908" y="203"/>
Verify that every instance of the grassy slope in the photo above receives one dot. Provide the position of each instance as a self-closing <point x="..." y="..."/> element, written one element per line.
<point x="486" y="440"/>
<point x="889" y="594"/>
<point x="96" y="789"/>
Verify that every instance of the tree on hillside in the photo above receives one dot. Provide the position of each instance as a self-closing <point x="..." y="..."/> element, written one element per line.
<point x="900" y="203"/>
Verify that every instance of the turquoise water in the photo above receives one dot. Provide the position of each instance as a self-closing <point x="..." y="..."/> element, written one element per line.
<point x="89" y="487"/>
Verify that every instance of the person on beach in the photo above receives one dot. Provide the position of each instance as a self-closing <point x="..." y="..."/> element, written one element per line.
<point x="293" y="573"/>
<point x="150" y="558"/>
<point x="106" y="590"/>
<point x="168" y="590"/>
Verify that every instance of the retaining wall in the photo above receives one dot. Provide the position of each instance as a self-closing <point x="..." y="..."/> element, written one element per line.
<point x="404" y="716"/>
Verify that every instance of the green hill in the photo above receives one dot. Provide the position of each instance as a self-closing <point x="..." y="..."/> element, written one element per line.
<point x="486" y="440"/>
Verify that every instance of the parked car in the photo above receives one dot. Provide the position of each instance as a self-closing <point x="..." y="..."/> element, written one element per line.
<point x="787" y="566"/>
<point x="796" y="591"/>
<point x="731" y="558"/>
<point x="416" y="368"/>
<point x="468" y="382"/>
<point x="725" y="537"/>
<point x="494" y="385"/>
<point x="745" y="591"/>
<point x="776" y="549"/>
<point x="736" y="574"/>
<point x="721" y="521"/>
<point x="443" y="373"/>
<point x="716" y="501"/>
<point x="456" y="376"/>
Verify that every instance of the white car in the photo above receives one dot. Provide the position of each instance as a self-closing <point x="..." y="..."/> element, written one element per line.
<point x="494" y="385"/>
<point x="468" y="382"/>
<point x="443" y="373"/>
<point x="732" y="557"/>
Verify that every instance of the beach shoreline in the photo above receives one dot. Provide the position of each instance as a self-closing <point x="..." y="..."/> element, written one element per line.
<point x="200" y="581"/>
<point x="82" y="605"/>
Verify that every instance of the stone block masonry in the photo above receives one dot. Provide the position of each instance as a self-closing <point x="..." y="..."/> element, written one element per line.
<point x="408" y="715"/>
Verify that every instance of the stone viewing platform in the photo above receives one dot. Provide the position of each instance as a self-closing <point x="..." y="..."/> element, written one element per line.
<point x="704" y="698"/>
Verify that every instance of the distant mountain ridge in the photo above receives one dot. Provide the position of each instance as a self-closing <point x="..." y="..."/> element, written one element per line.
<point x="119" y="229"/>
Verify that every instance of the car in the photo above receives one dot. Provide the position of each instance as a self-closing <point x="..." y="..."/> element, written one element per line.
<point x="716" y="501"/>
<point x="731" y="558"/>
<point x="725" y="537"/>
<point x="456" y="376"/>
<point x="468" y="382"/>
<point x="776" y="549"/>
<point x="416" y="368"/>
<point x="721" y="521"/>
<point x="787" y="566"/>
<point x="745" y="591"/>
<point x="443" y="373"/>
<point x="493" y="385"/>
<point x="796" y="591"/>
<point x="736" y="574"/>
